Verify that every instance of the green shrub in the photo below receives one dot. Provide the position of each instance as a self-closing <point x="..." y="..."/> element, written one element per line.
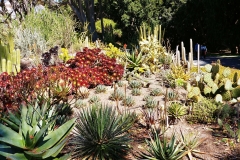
<point x="57" y="27"/>
<point x="110" y="30"/>
<point x="100" y="133"/>
<point x="204" y="111"/>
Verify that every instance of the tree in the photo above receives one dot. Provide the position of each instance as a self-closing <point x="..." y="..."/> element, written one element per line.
<point x="84" y="9"/>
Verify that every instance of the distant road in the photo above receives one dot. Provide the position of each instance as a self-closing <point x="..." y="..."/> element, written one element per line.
<point x="228" y="61"/>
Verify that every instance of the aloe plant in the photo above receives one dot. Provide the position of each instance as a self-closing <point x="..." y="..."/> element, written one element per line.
<point x="34" y="135"/>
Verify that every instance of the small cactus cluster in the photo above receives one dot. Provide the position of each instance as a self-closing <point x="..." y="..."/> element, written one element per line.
<point x="216" y="80"/>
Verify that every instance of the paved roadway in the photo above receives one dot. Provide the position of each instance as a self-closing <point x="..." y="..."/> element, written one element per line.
<point x="229" y="61"/>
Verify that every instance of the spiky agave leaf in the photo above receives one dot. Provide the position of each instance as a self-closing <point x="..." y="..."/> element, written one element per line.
<point x="100" y="133"/>
<point x="164" y="150"/>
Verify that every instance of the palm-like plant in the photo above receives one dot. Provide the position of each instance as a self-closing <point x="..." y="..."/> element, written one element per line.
<point x="164" y="150"/>
<point x="100" y="133"/>
<point x="33" y="135"/>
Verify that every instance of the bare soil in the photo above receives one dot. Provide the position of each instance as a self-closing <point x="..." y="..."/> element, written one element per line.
<point x="215" y="146"/>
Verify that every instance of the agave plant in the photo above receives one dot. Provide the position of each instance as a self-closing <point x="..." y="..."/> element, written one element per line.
<point x="100" y="133"/>
<point x="191" y="141"/>
<point x="164" y="150"/>
<point x="33" y="134"/>
<point x="135" y="84"/>
<point x="176" y="111"/>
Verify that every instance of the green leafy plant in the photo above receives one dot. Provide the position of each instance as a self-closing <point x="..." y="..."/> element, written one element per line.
<point x="204" y="111"/>
<point x="33" y="134"/>
<point x="58" y="28"/>
<point x="164" y="149"/>
<point x="176" y="111"/>
<point x="100" y="133"/>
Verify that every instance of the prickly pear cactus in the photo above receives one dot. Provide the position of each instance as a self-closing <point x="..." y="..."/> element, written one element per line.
<point x="215" y="68"/>
<point x="236" y="92"/>
<point x="226" y="72"/>
<point x="207" y="77"/>
<point x="228" y="85"/>
<point x="208" y="68"/>
<point x="207" y="89"/>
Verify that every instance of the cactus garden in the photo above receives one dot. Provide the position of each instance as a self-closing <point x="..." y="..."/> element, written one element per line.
<point x="69" y="96"/>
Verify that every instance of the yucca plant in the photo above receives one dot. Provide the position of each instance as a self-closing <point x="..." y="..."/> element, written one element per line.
<point x="100" y="133"/>
<point x="165" y="149"/>
<point x="34" y="134"/>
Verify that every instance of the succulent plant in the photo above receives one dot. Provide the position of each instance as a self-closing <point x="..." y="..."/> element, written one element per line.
<point x="147" y="97"/>
<point x="128" y="101"/>
<point x="208" y="68"/>
<point x="120" y="83"/>
<point x="94" y="99"/>
<point x="100" y="89"/>
<point x="226" y="72"/>
<point x="150" y="103"/>
<point x="101" y="133"/>
<point x="156" y="92"/>
<point x="171" y="95"/>
<point x="80" y="104"/>
<point x="33" y="134"/>
<point x="176" y="111"/>
<point x="164" y="149"/>
<point x="117" y="95"/>
<point x="135" y="84"/>
<point x="83" y="92"/>
<point x="236" y="92"/>
<point x="136" y="92"/>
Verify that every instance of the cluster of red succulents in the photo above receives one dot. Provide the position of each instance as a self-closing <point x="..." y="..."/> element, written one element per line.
<point x="89" y="68"/>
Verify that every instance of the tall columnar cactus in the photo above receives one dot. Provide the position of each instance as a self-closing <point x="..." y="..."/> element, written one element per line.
<point x="9" y="57"/>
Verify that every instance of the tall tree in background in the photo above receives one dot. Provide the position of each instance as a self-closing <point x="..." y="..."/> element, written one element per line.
<point x="84" y="9"/>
